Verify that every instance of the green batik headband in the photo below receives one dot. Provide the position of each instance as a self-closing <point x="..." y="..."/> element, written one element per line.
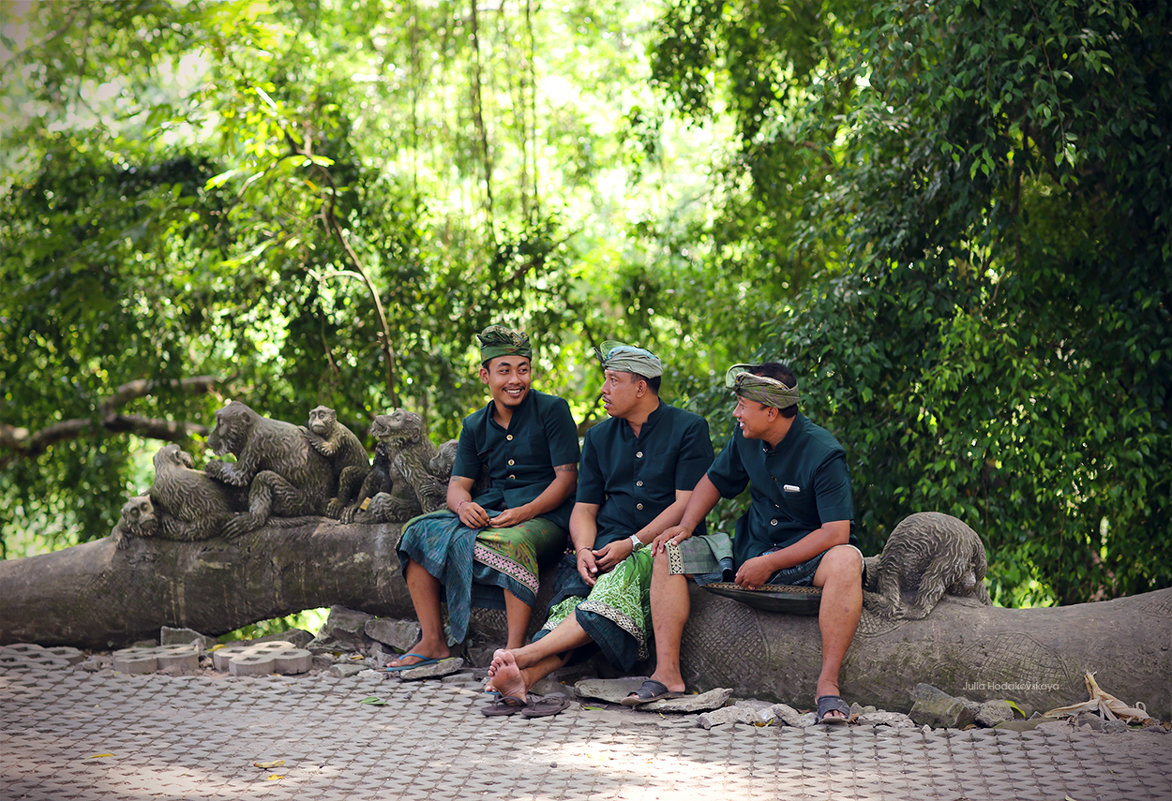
<point x="629" y="359"/>
<point x="760" y="388"/>
<point x="497" y="340"/>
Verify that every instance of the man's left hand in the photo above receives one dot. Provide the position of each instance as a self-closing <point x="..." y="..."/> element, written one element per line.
<point x="510" y="517"/>
<point x="755" y="572"/>
<point x="610" y="555"/>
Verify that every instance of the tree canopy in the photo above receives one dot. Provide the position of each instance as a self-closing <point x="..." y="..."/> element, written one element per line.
<point x="950" y="218"/>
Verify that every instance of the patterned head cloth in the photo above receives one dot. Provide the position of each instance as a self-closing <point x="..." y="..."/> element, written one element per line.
<point x="629" y="359"/>
<point x="497" y="340"/>
<point x="760" y="388"/>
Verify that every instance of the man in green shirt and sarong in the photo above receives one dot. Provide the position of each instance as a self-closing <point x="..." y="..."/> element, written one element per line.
<point x="798" y="529"/>
<point x="637" y="471"/>
<point x="486" y="550"/>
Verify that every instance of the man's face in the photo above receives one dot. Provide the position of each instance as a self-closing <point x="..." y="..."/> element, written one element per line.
<point x="620" y="393"/>
<point x="508" y="379"/>
<point x="753" y="418"/>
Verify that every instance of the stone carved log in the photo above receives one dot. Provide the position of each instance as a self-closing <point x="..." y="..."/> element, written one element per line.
<point x="97" y="596"/>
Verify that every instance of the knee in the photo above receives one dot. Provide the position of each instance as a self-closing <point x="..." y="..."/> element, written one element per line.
<point x="843" y="562"/>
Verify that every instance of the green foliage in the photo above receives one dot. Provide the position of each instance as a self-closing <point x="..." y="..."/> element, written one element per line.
<point x="950" y="217"/>
<point x="999" y="345"/>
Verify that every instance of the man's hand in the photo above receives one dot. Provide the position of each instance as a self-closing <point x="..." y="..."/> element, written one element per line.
<point x="510" y="517"/>
<point x="674" y="535"/>
<point x="754" y="572"/>
<point x="587" y="567"/>
<point x="472" y="515"/>
<point x="610" y="555"/>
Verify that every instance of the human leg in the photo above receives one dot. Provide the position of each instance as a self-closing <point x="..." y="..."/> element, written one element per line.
<point x="670" y="606"/>
<point x="425" y="597"/>
<point x="840" y="576"/>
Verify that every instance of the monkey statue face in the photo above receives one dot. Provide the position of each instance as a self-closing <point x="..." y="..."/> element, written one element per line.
<point x="322" y="420"/>
<point x="138" y="517"/>
<point x="172" y="454"/>
<point x="233" y="422"/>
<point x="399" y="427"/>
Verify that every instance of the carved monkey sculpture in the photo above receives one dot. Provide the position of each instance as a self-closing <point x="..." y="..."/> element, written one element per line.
<point x="345" y="452"/>
<point x="283" y="474"/>
<point x="929" y="554"/>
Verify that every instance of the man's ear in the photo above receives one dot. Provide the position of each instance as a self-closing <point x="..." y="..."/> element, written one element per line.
<point x="484" y="374"/>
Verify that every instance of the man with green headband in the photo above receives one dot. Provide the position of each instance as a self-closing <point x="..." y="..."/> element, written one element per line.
<point x="637" y="471"/>
<point x="798" y="529"/>
<point x="486" y="549"/>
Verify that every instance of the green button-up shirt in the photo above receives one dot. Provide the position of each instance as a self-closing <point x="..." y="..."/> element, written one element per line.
<point x="632" y="478"/>
<point x="793" y="488"/>
<point x="519" y="460"/>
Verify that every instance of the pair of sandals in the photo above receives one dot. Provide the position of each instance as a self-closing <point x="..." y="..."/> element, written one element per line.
<point x="538" y="706"/>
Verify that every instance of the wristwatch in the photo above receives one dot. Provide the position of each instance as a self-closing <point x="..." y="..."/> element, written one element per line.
<point x="636" y="543"/>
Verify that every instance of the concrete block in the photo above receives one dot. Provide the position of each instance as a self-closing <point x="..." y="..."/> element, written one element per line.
<point x="30" y="656"/>
<point x="261" y="658"/>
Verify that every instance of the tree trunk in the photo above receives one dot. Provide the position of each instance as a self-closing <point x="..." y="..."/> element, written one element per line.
<point x="96" y="596"/>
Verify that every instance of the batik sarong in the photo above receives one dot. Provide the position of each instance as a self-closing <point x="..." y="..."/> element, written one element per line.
<point x="615" y="612"/>
<point x="474" y="566"/>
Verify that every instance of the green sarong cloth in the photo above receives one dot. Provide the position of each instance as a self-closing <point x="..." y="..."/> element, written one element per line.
<point x="617" y="612"/>
<point x="698" y="555"/>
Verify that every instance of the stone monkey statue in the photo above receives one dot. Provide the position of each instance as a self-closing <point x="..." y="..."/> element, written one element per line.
<point x="929" y="554"/>
<point x="345" y="452"/>
<point x="138" y="519"/>
<point x="189" y="504"/>
<point x="414" y="489"/>
<point x="283" y="474"/>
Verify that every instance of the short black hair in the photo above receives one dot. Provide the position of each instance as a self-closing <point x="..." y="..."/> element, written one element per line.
<point x="652" y="383"/>
<point x="779" y="372"/>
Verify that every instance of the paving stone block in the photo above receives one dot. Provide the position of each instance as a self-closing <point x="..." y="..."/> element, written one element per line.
<point x="141" y="659"/>
<point x="30" y="656"/>
<point x="262" y="658"/>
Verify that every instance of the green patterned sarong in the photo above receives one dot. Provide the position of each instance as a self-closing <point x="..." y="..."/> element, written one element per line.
<point x="475" y="566"/>
<point x="617" y="612"/>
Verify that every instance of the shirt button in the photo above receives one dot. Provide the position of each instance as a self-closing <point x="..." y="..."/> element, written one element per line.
<point x="511" y="463"/>
<point x="638" y="483"/>
<point x="639" y="506"/>
<point x="773" y="522"/>
<point x="511" y="477"/>
<point x="638" y="454"/>
<point x="509" y="437"/>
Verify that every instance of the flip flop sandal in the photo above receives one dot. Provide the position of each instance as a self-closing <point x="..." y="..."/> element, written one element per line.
<point x="832" y="703"/>
<point x="650" y="690"/>
<point x="503" y="707"/>
<point x="545" y="707"/>
<point x="423" y="660"/>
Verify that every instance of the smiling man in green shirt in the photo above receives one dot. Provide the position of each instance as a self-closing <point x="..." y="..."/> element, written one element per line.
<point x="637" y="471"/>
<point x="798" y="529"/>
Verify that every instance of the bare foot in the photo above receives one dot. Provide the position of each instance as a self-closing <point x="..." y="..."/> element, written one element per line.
<point x="505" y="677"/>
<point x="419" y="653"/>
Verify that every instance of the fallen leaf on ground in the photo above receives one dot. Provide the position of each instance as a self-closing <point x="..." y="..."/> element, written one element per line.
<point x="373" y="700"/>
<point x="274" y="777"/>
<point x="278" y="763"/>
<point x="98" y="756"/>
<point x="1103" y="704"/>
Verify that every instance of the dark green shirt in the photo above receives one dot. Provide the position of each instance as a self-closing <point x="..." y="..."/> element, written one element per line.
<point x="634" y="479"/>
<point x="519" y="461"/>
<point x="793" y="488"/>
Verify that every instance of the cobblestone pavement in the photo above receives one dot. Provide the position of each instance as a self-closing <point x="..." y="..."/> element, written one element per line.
<point x="71" y="734"/>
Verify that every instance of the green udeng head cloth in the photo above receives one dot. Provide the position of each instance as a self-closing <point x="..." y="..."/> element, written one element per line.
<point x="497" y="340"/>
<point x="760" y="388"/>
<point x="629" y="359"/>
